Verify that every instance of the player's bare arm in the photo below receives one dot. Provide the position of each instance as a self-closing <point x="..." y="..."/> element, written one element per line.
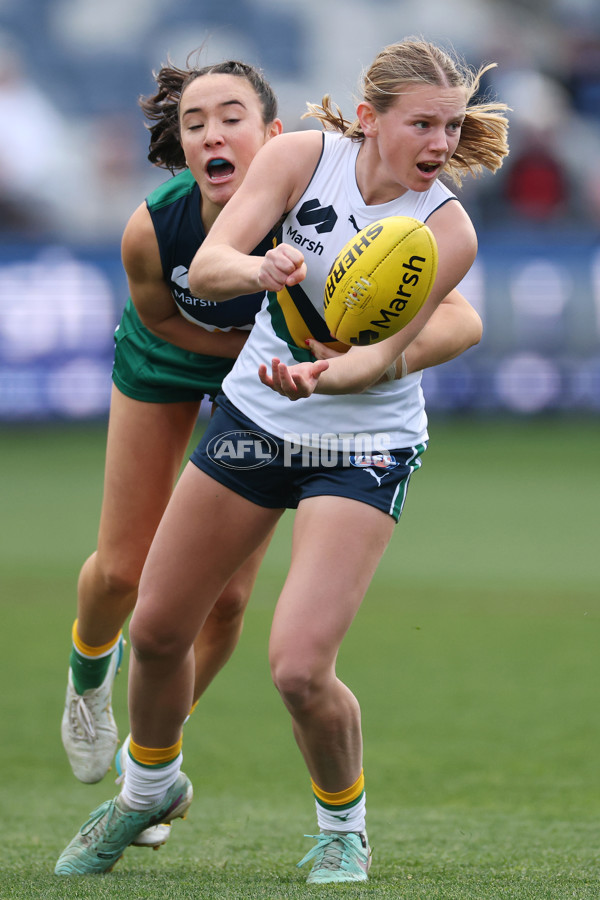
<point x="152" y="298"/>
<point x="363" y="367"/>
<point x="453" y="328"/>
<point x="222" y="267"/>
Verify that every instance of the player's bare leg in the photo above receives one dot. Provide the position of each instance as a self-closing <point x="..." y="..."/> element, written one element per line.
<point x="145" y="446"/>
<point x="221" y="631"/>
<point x="327" y="581"/>
<point x="162" y="635"/>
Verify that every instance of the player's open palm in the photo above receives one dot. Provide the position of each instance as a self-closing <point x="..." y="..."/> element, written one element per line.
<point x="293" y="382"/>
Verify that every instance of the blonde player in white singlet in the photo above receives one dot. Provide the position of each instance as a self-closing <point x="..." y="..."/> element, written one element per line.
<point x="341" y="454"/>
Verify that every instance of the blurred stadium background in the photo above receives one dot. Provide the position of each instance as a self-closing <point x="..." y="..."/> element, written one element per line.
<point x="73" y="167"/>
<point x="480" y="694"/>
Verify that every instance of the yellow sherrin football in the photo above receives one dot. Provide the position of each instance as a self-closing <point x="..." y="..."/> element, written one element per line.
<point x="380" y="280"/>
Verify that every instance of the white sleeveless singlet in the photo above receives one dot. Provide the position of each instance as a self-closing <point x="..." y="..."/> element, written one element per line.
<point x="327" y="215"/>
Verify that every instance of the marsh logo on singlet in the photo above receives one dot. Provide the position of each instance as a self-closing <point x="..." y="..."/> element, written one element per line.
<point x="322" y="217"/>
<point x="179" y="276"/>
<point x="242" y="450"/>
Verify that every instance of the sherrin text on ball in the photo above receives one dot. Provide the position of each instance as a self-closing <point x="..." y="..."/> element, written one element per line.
<point x="380" y="280"/>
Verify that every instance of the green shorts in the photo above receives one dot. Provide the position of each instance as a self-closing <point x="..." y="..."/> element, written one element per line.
<point x="154" y="371"/>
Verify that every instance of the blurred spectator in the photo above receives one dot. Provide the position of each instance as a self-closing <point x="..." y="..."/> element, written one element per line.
<point x="35" y="151"/>
<point x="536" y="184"/>
<point x="544" y="179"/>
<point x="118" y="174"/>
<point x="583" y="79"/>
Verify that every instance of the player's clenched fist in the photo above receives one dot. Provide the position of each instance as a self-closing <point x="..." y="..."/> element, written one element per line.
<point x="283" y="266"/>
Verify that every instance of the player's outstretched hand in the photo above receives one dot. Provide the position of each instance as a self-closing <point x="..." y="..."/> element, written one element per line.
<point x="293" y="382"/>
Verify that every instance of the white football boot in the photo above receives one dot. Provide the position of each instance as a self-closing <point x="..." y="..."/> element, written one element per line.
<point x="88" y="729"/>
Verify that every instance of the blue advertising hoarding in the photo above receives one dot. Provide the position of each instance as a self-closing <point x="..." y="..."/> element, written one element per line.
<point x="539" y="300"/>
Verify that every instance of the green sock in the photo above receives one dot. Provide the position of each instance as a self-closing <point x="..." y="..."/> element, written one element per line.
<point x="87" y="672"/>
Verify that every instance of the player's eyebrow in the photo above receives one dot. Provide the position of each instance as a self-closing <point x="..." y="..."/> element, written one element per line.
<point x="198" y="109"/>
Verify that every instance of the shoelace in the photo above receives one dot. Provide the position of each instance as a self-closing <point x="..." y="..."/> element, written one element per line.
<point x="82" y="719"/>
<point x="97" y="814"/>
<point x="333" y="848"/>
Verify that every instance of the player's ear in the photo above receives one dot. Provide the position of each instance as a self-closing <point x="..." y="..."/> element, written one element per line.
<point x="276" y="127"/>
<point x="367" y="118"/>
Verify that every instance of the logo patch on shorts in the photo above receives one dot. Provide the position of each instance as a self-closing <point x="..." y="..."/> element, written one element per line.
<point x="378" y="460"/>
<point x="375" y="464"/>
<point x="242" y="450"/>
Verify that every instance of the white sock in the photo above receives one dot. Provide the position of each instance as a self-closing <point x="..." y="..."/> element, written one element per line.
<point x="349" y="819"/>
<point x="145" y="786"/>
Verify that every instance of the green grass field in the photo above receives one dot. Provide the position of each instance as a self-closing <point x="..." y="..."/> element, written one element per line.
<point x="475" y="657"/>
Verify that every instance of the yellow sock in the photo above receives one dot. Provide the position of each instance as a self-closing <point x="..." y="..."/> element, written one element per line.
<point x="87" y="650"/>
<point x="154" y="756"/>
<point x="342" y="810"/>
<point x="340" y="798"/>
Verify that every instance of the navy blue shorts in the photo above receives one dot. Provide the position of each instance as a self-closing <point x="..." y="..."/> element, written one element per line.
<point x="279" y="474"/>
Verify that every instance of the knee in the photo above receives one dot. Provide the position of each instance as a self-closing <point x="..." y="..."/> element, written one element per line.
<point x="297" y="684"/>
<point x="157" y="643"/>
<point x="228" y="611"/>
<point x="118" y="576"/>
